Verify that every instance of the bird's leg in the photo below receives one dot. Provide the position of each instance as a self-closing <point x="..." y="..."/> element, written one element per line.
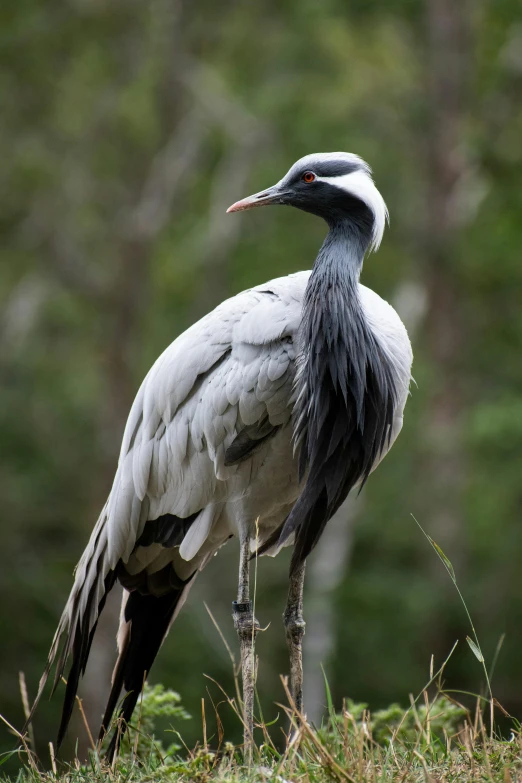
<point x="247" y="627"/>
<point x="295" y="628"/>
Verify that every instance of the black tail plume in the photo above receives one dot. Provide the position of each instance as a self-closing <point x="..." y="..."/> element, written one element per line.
<point x="148" y="619"/>
<point x="81" y="648"/>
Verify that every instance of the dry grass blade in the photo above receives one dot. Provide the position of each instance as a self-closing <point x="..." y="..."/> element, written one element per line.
<point x="432" y="679"/>
<point x="219" y="722"/>
<point x="220" y="632"/>
<point x="86" y="724"/>
<point x="204" y="723"/>
<point x="21" y="737"/>
<point x="53" y="758"/>
<point x="235" y="667"/>
<point x="424" y="765"/>
<point x="336" y="770"/>
<point x="229" y="701"/>
<point x="428" y="717"/>
<point x="27" y="709"/>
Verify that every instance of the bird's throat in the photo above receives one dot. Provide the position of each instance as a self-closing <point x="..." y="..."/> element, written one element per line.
<point x="343" y="249"/>
<point x="332" y="312"/>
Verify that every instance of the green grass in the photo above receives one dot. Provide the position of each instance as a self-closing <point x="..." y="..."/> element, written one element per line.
<point x="435" y="740"/>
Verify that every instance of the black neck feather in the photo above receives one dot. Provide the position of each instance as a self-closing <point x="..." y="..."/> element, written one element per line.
<point x="346" y="390"/>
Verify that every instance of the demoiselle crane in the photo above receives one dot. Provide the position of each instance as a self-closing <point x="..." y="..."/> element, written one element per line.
<point x="255" y="423"/>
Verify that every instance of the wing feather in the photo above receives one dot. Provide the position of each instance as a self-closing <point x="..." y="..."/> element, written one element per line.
<point x="231" y="371"/>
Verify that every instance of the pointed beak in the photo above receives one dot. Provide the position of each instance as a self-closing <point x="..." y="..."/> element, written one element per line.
<point x="274" y="195"/>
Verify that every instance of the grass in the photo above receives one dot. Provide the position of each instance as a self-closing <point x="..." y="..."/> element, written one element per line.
<point x="435" y="740"/>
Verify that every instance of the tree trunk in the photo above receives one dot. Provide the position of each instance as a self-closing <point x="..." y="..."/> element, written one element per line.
<point x="447" y="90"/>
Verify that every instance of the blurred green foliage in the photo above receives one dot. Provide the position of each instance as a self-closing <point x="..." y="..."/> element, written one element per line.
<point x="445" y="719"/>
<point x="127" y="129"/>
<point x="155" y="703"/>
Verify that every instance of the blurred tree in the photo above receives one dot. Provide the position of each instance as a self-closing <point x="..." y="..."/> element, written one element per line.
<point x="445" y="153"/>
<point x="127" y="130"/>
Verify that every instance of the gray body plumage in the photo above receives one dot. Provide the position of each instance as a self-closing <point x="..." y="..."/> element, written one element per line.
<point x="290" y="391"/>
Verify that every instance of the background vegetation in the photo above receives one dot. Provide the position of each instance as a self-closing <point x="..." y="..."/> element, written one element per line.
<point x="127" y="129"/>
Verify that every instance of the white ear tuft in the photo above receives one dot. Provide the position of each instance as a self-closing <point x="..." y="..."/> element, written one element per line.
<point x="361" y="185"/>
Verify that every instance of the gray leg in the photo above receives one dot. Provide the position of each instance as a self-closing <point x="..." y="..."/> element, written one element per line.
<point x="295" y="628"/>
<point x="247" y="627"/>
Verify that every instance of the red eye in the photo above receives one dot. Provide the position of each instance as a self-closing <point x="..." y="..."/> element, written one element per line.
<point x="308" y="176"/>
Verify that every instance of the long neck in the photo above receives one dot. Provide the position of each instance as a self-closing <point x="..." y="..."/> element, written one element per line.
<point x="334" y="326"/>
<point x="341" y="255"/>
<point x="345" y="389"/>
<point x="340" y="258"/>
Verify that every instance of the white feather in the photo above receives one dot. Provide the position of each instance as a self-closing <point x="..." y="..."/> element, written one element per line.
<point x="197" y="533"/>
<point x="361" y="185"/>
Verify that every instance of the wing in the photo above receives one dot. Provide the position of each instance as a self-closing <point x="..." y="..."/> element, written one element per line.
<point x="208" y="403"/>
<point x="393" y="338"/>
<point x="215" y="395"/>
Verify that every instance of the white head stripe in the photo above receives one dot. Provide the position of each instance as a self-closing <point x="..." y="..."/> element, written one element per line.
<point x="360" y="184"/>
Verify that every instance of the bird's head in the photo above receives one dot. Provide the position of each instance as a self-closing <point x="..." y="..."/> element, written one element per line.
<point x="336" y="186"/>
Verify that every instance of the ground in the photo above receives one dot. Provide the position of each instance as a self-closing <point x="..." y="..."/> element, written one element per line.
<point x="435" y="740"/>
